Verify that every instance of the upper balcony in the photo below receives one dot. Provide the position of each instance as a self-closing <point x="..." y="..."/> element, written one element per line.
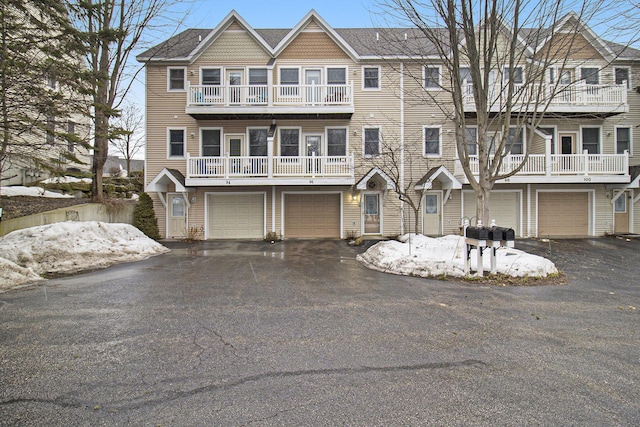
<point x="559" y="168"/>
<point x="207" y="102"/>
<point x="270" y="170"/>
<point x="578" y="98"/>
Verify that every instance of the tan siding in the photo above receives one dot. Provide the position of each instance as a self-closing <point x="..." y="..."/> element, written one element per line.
<point x="234" y="46"/>
<point x="235" y="26"/>
<point x="314" y="45"/>
<point x="570" y="46"/>
<point x="603" y="211"/>
<point x="452" y="213"/>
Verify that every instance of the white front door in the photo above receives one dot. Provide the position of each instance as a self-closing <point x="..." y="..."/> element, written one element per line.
<point x="234" y="147"/>
<point x="371" y="213"/>
<point x="234" y="78"/>
<point x="313" y="146"/>
<point x="176" y="216"/>
<point x="313" y="80"/>
<point x="432" y="218"/>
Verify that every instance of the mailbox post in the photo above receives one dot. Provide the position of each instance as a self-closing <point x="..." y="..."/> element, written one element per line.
<point x="482" y="238"/>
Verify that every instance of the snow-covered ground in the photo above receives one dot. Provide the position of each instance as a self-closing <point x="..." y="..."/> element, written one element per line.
<point x="19" y="190"/>
<point x="65" y="180"/>
<point x="67" y="247"/>
<point x="445" y="256"/>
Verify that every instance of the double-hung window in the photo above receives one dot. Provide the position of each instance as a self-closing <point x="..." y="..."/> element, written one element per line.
<point x="370" y="78"/>
<point x="623" y="140"/>
<point x="432" y="143"/>
<point x="289" y="82"/>
<point x="258" y="77"/>
<point x="591" y="140"/>
<point x="289" y="142"/>
<point x="515" y="141"/>
<point x="210" y="142"/>
<point x="622" y="76"/>
<point x="336" y="141"/>
<point x="176" y="78"/>
<point x="516" y="74"/>
<point x="258" y="142"/>
<point x="431" y="75"/>
<point x="372" y="142"/>
<point x="176" y="142"/>
<point x="591" y="76"/>
<point x="210" y="76"/>
<point x="471" y="137"/>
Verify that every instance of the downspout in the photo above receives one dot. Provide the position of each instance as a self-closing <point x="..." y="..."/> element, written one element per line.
<point x="529" y="210"/>
<point x="402" y="146"/>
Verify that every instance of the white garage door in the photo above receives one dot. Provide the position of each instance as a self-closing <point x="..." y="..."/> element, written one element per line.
<point x="312" y="216"/>
<point x="563" y="214"/>
<point x="504" y="207"/>
<point x="235" y="216"/>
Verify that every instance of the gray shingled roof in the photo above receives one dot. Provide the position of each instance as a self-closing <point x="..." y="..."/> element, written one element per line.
<point x="177" y="47"/>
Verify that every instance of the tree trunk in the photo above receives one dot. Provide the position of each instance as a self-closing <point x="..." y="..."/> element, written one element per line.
<point x="483" y="193"/>
<point x="100" y="151"/>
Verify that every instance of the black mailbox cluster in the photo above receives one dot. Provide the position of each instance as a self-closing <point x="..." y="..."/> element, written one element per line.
<point x="478" y="233"/>
<point x="495" y="234"/>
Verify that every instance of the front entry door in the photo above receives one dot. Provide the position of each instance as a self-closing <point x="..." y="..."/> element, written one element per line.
<point x="233" y="146"/>
<point x="177" y="216"/>
<point x="432" y="214"/>
<point x="313" y="81"/>
<point x="621" y="210"/>
<point x="567" y="147"/>
<point x="234" y="77"/>
<point x="371" y="213"/>
<point x="313" y="146"/>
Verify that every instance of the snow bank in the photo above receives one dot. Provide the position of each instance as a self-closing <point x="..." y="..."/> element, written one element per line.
<point x="67" y="247"/>
<point x="445" y="256"/>
<point x="19" y="190"/>
<point x="65" y="180"/>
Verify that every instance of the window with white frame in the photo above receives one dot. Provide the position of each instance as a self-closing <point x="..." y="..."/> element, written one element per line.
<point x="210" y="142"/>
<point x="621" y="204"/>
<point x="471" y="137"/>
<point x="372" y="141"/>
<point x="176" y="142"/>
<point x="289" y="142"/>
<point x="465" y="75"/>
<point x="371" y="78"/>
<point x="336" y="76"/>
<point x="289" y="81"/>
<point x="591" y="140"/>
<point x="515" y="141"/>
<point x="336" y="141"/>
<point x="258" y="76"/>
<point x="258" y="141"/>
<point x="516" y="74"/>
<point x="622" y="75"/>
<point x="623" y="139"/>
<point x="431" y="141"/>
<point x="431" y="76"/>
<point x="176" y="77"/>
<point x="591" y="76"/>
<point x="210" y="76"/>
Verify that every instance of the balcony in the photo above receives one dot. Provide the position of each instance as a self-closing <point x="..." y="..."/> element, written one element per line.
<point x="208" y="102"/>
<point x="270" y="170"/>
<point x="559" y="168"/>
<point x="578" y="98"/>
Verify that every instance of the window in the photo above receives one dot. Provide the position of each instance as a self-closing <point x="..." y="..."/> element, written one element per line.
<point x="516" y="75"/>
<point x="372" y="141"/>
<point x="471" y="136"/>
<point x="289" y="142"/>
<point x="336" y="76"/>
<point x="258" y="76"/>
<point x="258" y="142"/>
<point x="176" y="78"/>
<point x="621" y="76"/>
<point x="370" y="78"/>
<point x="337" y="142"/>
<point x="552" y="132"/>
<point x="210" y="142"/>
<point x="465" y="75"/>
<point x="591" y="76"/>
<point x="623" y="140"/>
<point x="431" y="204"/>
<point x="431" y="77"/>
<point x="591" y="140"/>
<point x="51" y="81"/>
<point x="289" y="76"/>
<point x="210" y="76"/>
<point x="621" y="204"/>
<point x="71" y="130"/>
<point x="431" y="141"/>
<point x="515" y="141"/>
<point x="176" y="142"/>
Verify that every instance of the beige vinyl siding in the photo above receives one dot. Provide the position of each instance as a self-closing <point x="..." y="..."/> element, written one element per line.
<point x="313" y="45"/>
<point x="235" y="46"/>
<point x="603" y="210"/>
<point x="451" y="213"/>
<point x="570" y="46"/>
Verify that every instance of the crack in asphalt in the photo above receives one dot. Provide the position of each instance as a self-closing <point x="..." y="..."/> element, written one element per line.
<point x="64" y="401"/>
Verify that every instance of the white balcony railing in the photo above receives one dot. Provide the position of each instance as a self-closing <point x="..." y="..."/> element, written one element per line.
<point x="270" y="167"/>
<point x="558" y="164"/>
<point x="274" y="95"/>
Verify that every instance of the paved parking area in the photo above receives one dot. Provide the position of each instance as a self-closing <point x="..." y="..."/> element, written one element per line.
<point x="298" y="333"/>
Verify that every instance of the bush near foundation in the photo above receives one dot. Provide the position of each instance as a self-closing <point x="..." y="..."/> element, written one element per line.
<point x="144" y="218"/>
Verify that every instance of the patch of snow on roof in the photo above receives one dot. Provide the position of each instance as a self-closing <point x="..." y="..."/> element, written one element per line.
<point x="18" y="190"/>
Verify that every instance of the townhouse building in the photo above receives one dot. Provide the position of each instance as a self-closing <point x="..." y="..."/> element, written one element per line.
<point x="251" y="131"/>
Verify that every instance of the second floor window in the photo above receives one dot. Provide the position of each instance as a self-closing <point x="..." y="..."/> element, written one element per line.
<point x="515" y="141"/>
<point x="370" y="78"/>
<point x="289" y="142"/>
<point x="591" y="140"/>
<point x="176" y="79"/>
<point x="176" y="142"/>
<point x="431" y="77"/>
<point x="372" y="142"/>
<point x="591" y="76"/>
<point x="471" y="136"/>
<point x="621" y="76"/>
<point x="623" y="140"/>
<point x="210" y="76"/>
<point x="431" y="141"/>
<point x="258" y="142"/>
<point x="336" y="76"/>
<point x="337" y="142"/>
<point x="210" y="142"/>
<point x="465" y="75"/>
<point x="514" y="74"/>
<point x="258" y="76"/>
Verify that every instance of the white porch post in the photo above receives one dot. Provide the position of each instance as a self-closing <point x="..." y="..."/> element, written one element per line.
<point x="585" y="155"/>
<point x="547" y="155"/>
<point x="270" y="157"/>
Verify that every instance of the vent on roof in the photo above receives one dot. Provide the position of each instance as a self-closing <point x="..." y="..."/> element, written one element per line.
<point x="377" y="36"/>
<point x="199" y="38"/>
<point x="405" y="36"/>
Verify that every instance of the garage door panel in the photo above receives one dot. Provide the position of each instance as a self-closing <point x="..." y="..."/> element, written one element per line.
<point x="236" y="216"/>
<point x="312" y="216"/>
<point x="563" y="214"/>
<point x="504" y="207"/>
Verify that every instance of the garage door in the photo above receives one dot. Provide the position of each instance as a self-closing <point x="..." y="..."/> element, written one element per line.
<point x="504" y="207"/>
<point x="312" y="216"/>
<point x="236" y="216"/>
<point x="563" y="214"/>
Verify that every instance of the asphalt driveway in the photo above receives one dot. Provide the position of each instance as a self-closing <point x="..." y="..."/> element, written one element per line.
<point x="299" y="333"/>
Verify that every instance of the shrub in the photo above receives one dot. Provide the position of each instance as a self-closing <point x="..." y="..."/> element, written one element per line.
<point x="144" y="218"/>
<point x="194" y="233"/>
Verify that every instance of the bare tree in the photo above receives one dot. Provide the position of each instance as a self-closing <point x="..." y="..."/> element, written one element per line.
<point x="111" y="31"/>
<point x="126" y="137"/>
<point x="493" y="61"/>
<point x="39" y="89"/>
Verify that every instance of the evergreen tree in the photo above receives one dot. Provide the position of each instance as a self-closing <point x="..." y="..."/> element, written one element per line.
<point x="144" y="218"/>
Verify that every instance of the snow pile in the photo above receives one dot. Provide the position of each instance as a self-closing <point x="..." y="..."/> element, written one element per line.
<point x="445" y="256"/>
<point x="67" y="247"/>
<point x="65" y="180"/>
<point x="19" y="190"/>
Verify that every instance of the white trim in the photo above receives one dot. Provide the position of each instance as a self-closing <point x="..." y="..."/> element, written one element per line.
<point x="303" y="143"/>
<point x="590" y="202"/>
<point x="200" y="139"/>
<point x="184" y="82"/>
<point x="372" y="89"/>
<point x="615" y="138"/>
<point x="184" y="143"/>
<point x="325" y="73"/>
<point x="362" y="183"/>
<point x="424" y="142"/>
<point x="282" y="207"/>
<point x="424" y="76"/>
<point x="364" y="154"/>
<point x="423" y="209"/>
<point x="205" y="67"/>
<point x="233" y="193"/>
<point x="326" y="138"/>
<point x="554" y="137"/>
<point x="299" y="129"/>
<point x="169" y="207"/>
<point x="289" y="67"/>
<point x="599" y="127"/>
<point x="628" y="68"/>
